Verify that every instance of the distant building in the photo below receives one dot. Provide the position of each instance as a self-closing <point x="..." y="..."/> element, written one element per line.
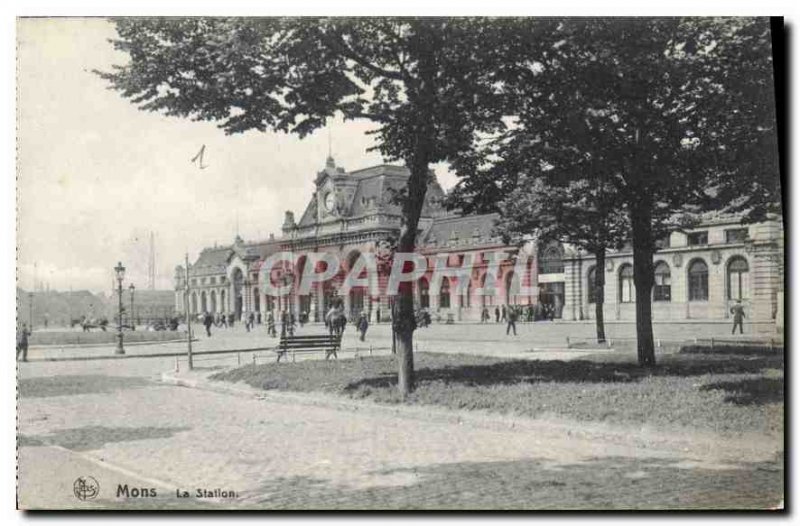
<point x="699" y="274"/>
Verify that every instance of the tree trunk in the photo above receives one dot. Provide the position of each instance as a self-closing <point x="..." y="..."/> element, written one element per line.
<point x="424" y="136"/>
<point x="599" y="295"/>
<point x="643" y="280"/>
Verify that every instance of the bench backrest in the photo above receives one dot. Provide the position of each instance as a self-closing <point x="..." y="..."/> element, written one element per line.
<point x="310" y="342"/>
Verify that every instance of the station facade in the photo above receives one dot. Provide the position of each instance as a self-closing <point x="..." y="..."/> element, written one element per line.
<point x="699" y="273"/>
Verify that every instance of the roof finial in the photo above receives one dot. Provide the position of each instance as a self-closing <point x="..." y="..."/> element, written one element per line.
<point x="329" y="162"/>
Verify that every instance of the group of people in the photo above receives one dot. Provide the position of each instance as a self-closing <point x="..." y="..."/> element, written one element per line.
<point x="527" y="313"/>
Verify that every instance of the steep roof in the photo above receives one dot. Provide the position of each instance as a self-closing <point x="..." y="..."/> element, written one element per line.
<point x="460" y="231"/>
<point x="214" y="257"/>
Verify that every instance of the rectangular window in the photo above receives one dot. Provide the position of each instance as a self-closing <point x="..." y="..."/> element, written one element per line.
<point x="698" y="238"/>
<point x="698" y="287"/>
<point x="735" y="235"/>
<point x="662" y="242"/>
<point x="662" y="289"/>
<point x="627" y="291"/>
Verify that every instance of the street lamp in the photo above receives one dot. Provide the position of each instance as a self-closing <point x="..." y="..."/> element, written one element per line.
<point x="119" y="270"/>
<point x="133" y="322"/>
<point x="30" y="310"/>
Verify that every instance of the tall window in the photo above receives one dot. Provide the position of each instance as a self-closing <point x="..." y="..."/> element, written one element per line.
<point x="444" y="294"/>
<point x="662" y="290"/>
<point x="627" y="293"/>
<point x="738" y="279"/>
<point x="512" y="288"/>
<point x="698" y="281"/>
<point x="590" y="285"/>
<point x="551" y="261"/>
<point x="424" y="298"/>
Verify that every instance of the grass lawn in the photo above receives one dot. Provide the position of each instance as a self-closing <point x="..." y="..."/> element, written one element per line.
<point x="729" y="390"/>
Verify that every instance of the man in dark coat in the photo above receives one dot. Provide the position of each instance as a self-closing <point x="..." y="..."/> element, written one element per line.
<point x="497" y="314"/>
<point x="22" y="342"/>
<point x="511" y="317"/>
<point x="738" y="317"/>
<point x="362" y="324"/>
<point x="208" y="321"/>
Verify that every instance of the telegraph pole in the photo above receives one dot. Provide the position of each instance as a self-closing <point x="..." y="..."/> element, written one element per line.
<point x="187" y="303"/>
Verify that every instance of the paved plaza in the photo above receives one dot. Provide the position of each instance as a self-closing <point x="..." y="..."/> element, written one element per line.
<point x="119" y="422"/>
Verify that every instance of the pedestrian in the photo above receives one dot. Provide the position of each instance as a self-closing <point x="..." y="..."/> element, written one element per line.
<point x="207" y="321"/>
<point x="223" y="320"/>
<point x="738" y="317"/>
<point x="378" y="315"/>
<point x="512" y="321"/>
<point x="497" y="315"/>
<point x="231" y="319"/>
<point x="292" y="322"/>
<point x="258" y="318"/>
<point x="362" y="325"/>
<point x="503" y="313"/>
<point x="22" y="342"/>
<point x="251" y="318"/>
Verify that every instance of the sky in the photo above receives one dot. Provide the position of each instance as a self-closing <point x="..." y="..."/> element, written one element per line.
<point x="96" y="175"/>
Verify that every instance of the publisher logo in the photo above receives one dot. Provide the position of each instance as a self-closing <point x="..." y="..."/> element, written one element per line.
<point x="86" y="488"/>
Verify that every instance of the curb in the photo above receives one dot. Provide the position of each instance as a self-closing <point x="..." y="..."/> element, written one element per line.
<point x="646" y="437"/>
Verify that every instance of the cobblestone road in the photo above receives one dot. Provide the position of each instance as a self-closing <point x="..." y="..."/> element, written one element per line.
<point x="115" y="422"/>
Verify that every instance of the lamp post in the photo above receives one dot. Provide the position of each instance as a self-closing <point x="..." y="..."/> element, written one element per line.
<point x="119" y="270"/>
<point x="286" y="281"/>
<point x="30" y="310"/>
<point x="133" y="321"/>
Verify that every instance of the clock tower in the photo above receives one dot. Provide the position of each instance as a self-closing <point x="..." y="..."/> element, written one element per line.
<point x="335" y="191"/>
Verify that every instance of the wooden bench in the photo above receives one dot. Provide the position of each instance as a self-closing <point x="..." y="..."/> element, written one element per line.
<point x="330" y="343"/>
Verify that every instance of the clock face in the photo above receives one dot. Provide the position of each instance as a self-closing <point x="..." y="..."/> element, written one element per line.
<point x="330" y="201"/>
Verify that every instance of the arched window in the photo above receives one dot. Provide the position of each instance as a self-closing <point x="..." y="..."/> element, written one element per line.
<point x="465" y="298"/>
<point x="551" y="261"/>
<point x="662" y="289"/>
<point x="424" y="297"/>
<point x="698" y="280"/>
<point x="627" y="293"/>
<point x="738" y="279"/>
<point x="444" y="294"/>
<point x="487" y="296"/>
<point x="512" y="288"/>
<point x="590" y="277"/>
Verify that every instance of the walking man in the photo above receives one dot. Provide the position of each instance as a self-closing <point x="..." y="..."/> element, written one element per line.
<point x="208" y="320"/>
<point x="504" y="313"/>
<point x="512" y="321"/>
<point x="362" y="324"/>
<point x="271" y="324"/>
<point x="497" y="314"/>
<point x="22" y="342"/>
<point x="738" y="317"/>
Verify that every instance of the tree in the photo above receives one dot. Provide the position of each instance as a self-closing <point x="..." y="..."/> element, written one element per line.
<point x="679" y="114"/>
<point x="579" y="213"/>
<point x="426" y="83"/>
